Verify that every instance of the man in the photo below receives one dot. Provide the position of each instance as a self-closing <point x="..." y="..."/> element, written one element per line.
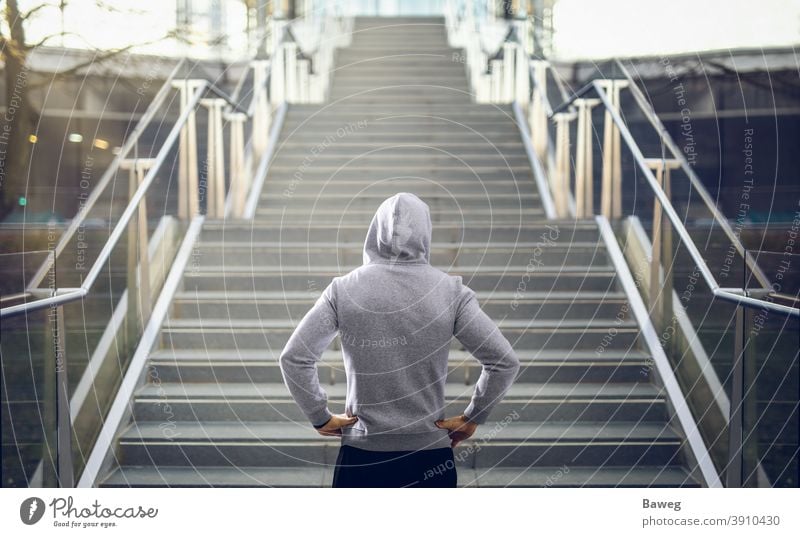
<point x="396" y="316"/>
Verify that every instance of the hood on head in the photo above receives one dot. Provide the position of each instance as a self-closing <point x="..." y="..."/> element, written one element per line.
<point x="400" y="231"/>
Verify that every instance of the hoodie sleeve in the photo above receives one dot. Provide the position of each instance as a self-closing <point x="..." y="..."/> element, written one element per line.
<point x="298" y="361"/>
<point x="481" y="337"/>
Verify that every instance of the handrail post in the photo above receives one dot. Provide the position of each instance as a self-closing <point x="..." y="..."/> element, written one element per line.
<point x="239" y="184"/>
<point x="261" y="117"/>
<point x="290" y="60"/>
<point x="303" y="79"/>
<point x="66" y="474"/>
<point x="138" y="266"/>
<point x="215" y="159"/>
<point x="188" y="202"/>
<point x="495" y="81"/>
<point x="521" y="76"/>
<point x="538" y="114"/>
<point x="584" y="166"/>
<point x="733" y="470"/>
<point x="508" y="72"/>
<point x="660" y="293"/>
<point x="611" y="202"/>
<point x="277" y="90"/>
<point x="562" y="120"/>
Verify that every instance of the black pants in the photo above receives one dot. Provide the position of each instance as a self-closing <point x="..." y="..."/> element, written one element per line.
<point x="425" y="468"/>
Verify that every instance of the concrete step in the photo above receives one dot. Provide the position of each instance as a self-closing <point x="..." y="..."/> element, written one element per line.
<point x="279" y="187"/>
<point x="576" y="476"/>
<point x="390" y="126"/>
<point x="288" y="444"/>
<point x="451" y="79"/>
<point x="481" y="215"/>
<point x="484" y="278"/>
<point x="229" y="333"/>
<point x="242" y="365"/>
<point x="273" y="253"/>
<point x="425" y="159"/>
<point x="367" y="136"/>
<point x="559" y="231"/>
<point x="391" y="59"/>
<point x="524" y="476"/>
<point x="400" y="123"/>
<point x="432" y="98"/>
<point x="479" y="175"/>
<point x="249" y="401"/>
<point x="550" y="305"/>
<point x="352" y="112"/>
<point x="499" y="204"/>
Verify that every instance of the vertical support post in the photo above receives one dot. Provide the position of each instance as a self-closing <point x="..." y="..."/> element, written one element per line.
<point x="584" y="166"/>
<point x="138" y="253"/>
<point x="608" y="155"/>
<point x="668" y="259"/>
<point x="303" y="67"/>
<point x="142" y="165"/>
<point x="616" y="208"/>
<point x="277" y="89"/>
<point x="134" y="296"/>
<point x="215" y="159"/>
<point x="656" y="289"/>
<point x="508" y="72"/>
<point x="188" y="202"/>
<point x="66" y="475"/>
<point x="562" y="163"/>
<point x="49" y="393"/>
<point x="290" y="50"/>
<point x="660" y="292"/>
<point x="496" y="77"/>
<point x="733" y="471"/>
<point x="538" y="113"/>
<point x="239" y="185"/>
<point x="522" y="77"/>
<point x="261" y="117"/>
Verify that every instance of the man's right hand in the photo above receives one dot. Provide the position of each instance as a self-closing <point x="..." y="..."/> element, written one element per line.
<point x="458" y="428"/>
<point x="333" y="427"/>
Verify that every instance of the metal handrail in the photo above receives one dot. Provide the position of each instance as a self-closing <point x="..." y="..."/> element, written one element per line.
<point x="716" y="290"/>
<point x="76" y="293"/>
<point x="697" y="184"/>
<point x="110" y="172"/>
<point x="133" y="205"/>
<point x="666" y="139"/>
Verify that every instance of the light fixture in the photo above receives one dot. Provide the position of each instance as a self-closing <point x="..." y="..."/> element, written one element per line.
<point x="33" y="138"/>
<point x="99" y="143"/>
<point x="74" y="137"/>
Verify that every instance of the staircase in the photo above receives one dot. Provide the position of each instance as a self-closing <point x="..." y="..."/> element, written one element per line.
<point x="587" y="408"/>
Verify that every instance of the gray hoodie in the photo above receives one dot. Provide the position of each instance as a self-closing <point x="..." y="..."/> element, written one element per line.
<point x="396" y="316"/>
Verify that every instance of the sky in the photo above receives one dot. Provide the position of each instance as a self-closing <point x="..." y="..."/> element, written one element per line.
<point x="618" y="28"/>
<point x="588" y="29"/>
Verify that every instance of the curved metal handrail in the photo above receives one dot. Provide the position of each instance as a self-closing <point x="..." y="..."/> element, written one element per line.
<point x="72" y="294"/>
<point x="110" y="172"/>
<point x="716" y="289"/>
<point x="667" y="140"/>
<point x="201" y="87"/>
<point x="697" y="184"/>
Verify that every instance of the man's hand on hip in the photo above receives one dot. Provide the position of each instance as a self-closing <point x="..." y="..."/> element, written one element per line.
<point x="458" y="428"/>
<point x="333" y="427"/>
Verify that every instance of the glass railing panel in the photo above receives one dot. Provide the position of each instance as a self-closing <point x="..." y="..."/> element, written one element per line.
<point x="27" y="390"/>
<point x="771" y="376"/>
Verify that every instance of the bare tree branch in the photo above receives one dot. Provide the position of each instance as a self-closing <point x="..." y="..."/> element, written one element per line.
<point x="98" y="58"/>
<point x="32" y="11"/>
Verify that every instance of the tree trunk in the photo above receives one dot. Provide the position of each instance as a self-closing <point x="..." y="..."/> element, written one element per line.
<point x="17" y="122"/>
